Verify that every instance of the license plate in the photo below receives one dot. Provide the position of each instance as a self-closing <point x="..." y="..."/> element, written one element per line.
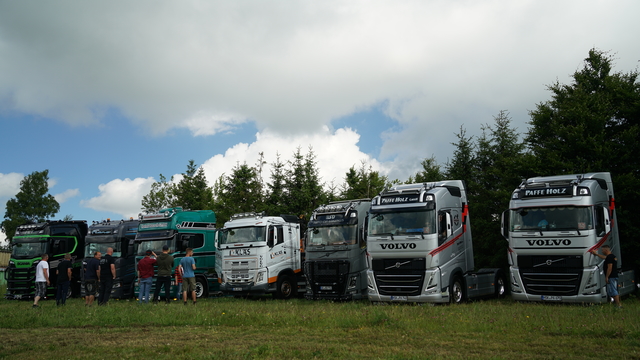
<point x="326" y="287"/>
<point x="398" y="298"/>
<point x="237" y="289"/>
<point x="551" y="298"/>
<point x="18" y="297"/>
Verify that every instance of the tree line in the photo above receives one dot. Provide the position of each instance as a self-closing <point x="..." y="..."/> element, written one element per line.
<point x="589" y="125"/>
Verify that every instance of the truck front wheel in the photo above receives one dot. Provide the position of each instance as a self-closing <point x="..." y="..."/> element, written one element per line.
<point x="456" y="292"/>
<point x="201" y="287"/>
<point x="285" y="288"/>
<point x="499" y="283"/>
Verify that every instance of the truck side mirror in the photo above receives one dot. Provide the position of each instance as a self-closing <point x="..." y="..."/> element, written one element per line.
<point x="504" y="224"/>
<point x="607" y="221"/>
<point x="271" y="237"/>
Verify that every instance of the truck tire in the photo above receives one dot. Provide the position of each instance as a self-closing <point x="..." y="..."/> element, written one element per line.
<point x="500" y="285"/>
<point x="285" y="288"/>
<point x="202" y="291"/>
<point x="456" y="290"/>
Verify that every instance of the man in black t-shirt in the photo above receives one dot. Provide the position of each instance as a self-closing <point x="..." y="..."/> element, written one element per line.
<point x="610" y="272"/>
<point x="63" y="280"/>
<point x="91" y="277"/>
<point x="107" y="275"/>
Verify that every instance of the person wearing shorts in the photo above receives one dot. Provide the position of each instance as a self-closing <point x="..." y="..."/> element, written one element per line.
<point x="42" y="279"/>
<point x="187" y="267"/>
<point x="91" y="278"/>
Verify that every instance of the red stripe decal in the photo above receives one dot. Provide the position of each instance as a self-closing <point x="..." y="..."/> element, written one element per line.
<point x="602" y="241"/>
<point x="445" y="245"/>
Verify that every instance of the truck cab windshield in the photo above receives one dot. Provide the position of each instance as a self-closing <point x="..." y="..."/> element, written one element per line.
<point x="28" y="248"/>
<point x="551" y="218"/>
<point x="249" y="234"/>
<point x="91" y="248"/>
<point x="155" y="245"/>
<point x="332" y="235"/>
<point x="403" y="223"/>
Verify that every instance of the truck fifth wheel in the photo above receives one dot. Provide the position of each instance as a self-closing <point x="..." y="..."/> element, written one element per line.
<point x="420" y="249"/>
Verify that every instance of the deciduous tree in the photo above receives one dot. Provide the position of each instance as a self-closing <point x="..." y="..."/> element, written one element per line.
<point x="32" y="203"/>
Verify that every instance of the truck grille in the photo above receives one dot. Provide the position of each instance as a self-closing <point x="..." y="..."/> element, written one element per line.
<point x="327" y="277"/>
<point x="551" y="274"/>
<point x="399" y="276"/>
<point x="20" y="282"/>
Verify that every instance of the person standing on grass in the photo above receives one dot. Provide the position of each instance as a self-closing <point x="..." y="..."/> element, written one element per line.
<point x="63" y="279"/>
<point x="178" y="281"/>
<point x="107" y="275"/>
<point x="610" y="272"/>
<point x="165" y="266"/>
<point x="187" y="267"/>
<point x="145" y="276"/>
<point x="91" y="278"/>
<point x="42" y="279"/>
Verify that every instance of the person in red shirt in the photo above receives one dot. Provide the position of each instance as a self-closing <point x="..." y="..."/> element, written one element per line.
<point x="178" y="282"/>
<point x="145" y="276"/>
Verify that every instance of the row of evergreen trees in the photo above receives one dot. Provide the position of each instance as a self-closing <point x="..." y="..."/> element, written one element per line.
<point x="590" y="125"/>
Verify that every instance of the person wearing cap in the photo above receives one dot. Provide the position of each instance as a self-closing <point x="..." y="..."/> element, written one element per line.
<point x="145" y="276"/>
<point x="165" y="267"/>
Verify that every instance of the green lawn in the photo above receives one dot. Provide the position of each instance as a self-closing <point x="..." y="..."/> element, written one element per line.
<point x="227" y="328"/>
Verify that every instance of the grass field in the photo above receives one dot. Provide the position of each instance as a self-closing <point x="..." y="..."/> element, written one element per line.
<point x="227" y="328"/>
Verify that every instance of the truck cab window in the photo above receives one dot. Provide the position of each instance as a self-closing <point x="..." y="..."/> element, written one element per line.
<point x="442" y="226"/>
<point x="280" y="235"/>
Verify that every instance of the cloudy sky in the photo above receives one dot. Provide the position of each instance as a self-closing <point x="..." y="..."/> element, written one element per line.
<point x="108" y="95"/>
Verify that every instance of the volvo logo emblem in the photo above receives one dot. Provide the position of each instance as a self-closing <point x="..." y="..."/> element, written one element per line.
<point x="549" y="262"/>
<point x="397" y="265"/>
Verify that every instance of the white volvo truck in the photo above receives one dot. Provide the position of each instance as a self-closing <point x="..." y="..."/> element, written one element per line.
<point x="260" y="254"/>
<point x="420" y="249"/>
<point x="552" y="225"/>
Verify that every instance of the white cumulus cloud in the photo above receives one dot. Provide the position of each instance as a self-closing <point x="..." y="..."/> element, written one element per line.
<point x="66" y="195"/>
<point x="120" y="196"/>
<point x="335" y="152"/>
<point x="10" y="184"/>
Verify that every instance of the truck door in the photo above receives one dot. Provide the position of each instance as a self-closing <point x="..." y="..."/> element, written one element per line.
<point x="278" y="253"/>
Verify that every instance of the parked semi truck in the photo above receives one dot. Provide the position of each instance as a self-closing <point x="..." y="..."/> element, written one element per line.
<point x="55" y="238"/>
<point x="552" y="225"/>
<point x="181" y="229"/>
<point x="420" y="248"/>
<point x="336" y="264"/>
<point x="261" y="254"/>
<point x="120" y="236"/>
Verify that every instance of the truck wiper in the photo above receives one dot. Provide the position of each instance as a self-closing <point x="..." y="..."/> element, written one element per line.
<point x="384" y="234"/>
<point x="416" y="232"/>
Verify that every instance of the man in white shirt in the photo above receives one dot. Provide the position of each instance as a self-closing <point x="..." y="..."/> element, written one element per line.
<point x="42" y="279"/>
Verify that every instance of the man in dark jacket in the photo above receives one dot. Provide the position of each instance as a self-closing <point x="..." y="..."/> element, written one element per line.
<point x="165" y="268"/>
